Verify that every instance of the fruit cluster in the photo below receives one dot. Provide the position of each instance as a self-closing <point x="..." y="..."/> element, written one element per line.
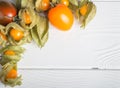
<point x="25" y="21"/>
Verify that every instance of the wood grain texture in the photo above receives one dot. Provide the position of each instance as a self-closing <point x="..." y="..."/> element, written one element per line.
<point x="69" y="79"/>
<point x="103" y="31"/>
<point x="96" y="46"/>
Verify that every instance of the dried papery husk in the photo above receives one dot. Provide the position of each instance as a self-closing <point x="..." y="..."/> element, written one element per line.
<point x="74" y="2"/>
<point x="40" y="31"/>
<point x="2" y="29"/>
<point x="7" y="58"/>
<point x="11" y="58"/>
<point x="28" y="37"/>
<point x="5" y="69"/>
<point x="83" y="2"/>
<point x="32" y="16"/>
<point x="34" y="35"/>
<point x="27" y="3"/>
<point x="91" y="11"/>
<point x="24" y="3"/>
<point x="54" y="1"/>
<point x="14" y="25"/>
<point x="17" y="49"/>
<point x="38" y="4"/>
<point x="90" y="15"/>
<point x="3" y="41"/>
<point x="7" y="81"/>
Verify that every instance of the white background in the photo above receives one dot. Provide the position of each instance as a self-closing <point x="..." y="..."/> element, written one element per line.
<point x="67" y="59"/>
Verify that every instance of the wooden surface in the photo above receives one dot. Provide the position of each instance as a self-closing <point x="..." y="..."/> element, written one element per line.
<point x="69" y="79"/>
<point x="98" y="46"/>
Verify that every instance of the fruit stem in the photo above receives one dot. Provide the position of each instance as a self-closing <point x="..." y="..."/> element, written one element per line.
<point x="16" y="19"/>
<point x="52" y="5"/>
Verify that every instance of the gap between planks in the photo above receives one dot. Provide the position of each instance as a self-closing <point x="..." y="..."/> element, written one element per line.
<point x="86" y="69"/>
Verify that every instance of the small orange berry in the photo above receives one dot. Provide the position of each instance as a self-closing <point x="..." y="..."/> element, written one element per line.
<point x="16" y="34"/>
<point x="9" y="52"/>
<point x="11" y="74"/>
<point x="27" y="18"/>
<point x="83" y="10"/>
<point x="65" y="2"/>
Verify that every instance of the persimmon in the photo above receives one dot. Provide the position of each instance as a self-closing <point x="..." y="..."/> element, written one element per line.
<point x="16" y="34"/>
<point x="61" y="17"/>
<point x="11" y="74"/>
<point x="9" y="52"/>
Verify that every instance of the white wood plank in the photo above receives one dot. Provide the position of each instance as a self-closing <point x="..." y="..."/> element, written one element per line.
<point x="69" y="79"/>
<point x="96" y="46"/>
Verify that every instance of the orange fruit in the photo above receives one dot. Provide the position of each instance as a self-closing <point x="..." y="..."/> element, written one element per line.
<point x="7" y="12"/>
<point x="11" y="74"/>
<point x="83" y="10"/>
<point x="43" y="5"/>
<point x="27" y="18"/>
<point x="61" y="17"/>
<point x="9" y="52"/>
<point x="16" y="34"/>
<point x="65" y="2"/>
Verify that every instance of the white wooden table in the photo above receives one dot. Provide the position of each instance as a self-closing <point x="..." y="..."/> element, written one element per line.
<point x="87" y="58"/>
